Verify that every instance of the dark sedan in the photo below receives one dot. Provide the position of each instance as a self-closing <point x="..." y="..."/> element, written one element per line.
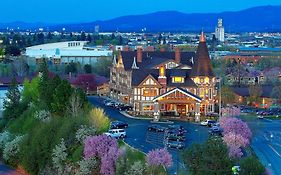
<point x="174" y="144"/>
<point x="156" y="128"/>
<point x="118" y="125"/>
<point x="175" y="138"/>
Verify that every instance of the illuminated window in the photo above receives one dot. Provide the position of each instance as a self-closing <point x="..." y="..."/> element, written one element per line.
<point x="178" y="80"/>
<point x="196" y="80"/>
<point x="148" y="107"/>
<point x="207" y="80"/>
<point x="202" y="93"/>
<point x="201" y="80"/>
<point x="149" y="92"/>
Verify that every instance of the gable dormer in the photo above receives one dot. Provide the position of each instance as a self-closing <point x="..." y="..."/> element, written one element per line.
<point x="169" y="64"/>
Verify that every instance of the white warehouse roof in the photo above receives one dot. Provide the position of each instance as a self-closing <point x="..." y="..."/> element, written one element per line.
<point x="66" y="49"/>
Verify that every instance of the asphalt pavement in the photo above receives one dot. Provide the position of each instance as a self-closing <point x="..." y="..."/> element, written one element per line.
<point x="137" y="134"/>
<point x="266" y="142"/>
<point x="6" y="170"/>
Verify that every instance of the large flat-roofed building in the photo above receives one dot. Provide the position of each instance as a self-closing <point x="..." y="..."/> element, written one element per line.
<point x="66" y="52"/>
<point x="156" y="83"/>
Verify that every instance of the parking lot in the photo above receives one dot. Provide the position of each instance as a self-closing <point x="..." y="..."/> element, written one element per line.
<point x="139" y="138"/>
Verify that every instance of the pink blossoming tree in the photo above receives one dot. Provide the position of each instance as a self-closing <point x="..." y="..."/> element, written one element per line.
<point x="236" y="135"/>
<point x="106" y="149"/>
<point x="159" y="157"/>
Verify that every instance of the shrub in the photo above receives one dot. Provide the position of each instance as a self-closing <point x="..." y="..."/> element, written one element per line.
<point x="251" y="166"/>
<point x="77" y="154"/>
<point x="100" y="121"/>
<point x="83" y="132"/>
<point x="138" y="168"/>
<point x="37" y="148"/>
<point x="87" y="166"/>
<point x="11" y="150"/>
<point x="25" y="123"/>
<point x="59" y="155"/>
<point x="5" y="137"/>
<point x="43" y="115"/>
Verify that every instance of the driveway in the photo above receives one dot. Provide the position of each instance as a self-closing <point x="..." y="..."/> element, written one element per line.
<point x="5" y="170"/>
<point x="139" y="138"/>
<point x="266" y="141"/>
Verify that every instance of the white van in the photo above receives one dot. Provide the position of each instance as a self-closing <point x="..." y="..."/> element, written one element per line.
<point x="116" y="133"/>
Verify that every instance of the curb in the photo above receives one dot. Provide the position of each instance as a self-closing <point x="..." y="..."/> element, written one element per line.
<point x="137" y="118"/>
<point x="167" y="122"/>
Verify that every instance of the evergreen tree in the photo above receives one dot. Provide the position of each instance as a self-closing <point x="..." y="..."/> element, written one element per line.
<point x="44" y="90"/>
<point x="89" y="38"/>
<point x="83" y="36"/>
<point x="11" y="103"/>
<point x="61" y="98"/>
<point x="209" y="158"/>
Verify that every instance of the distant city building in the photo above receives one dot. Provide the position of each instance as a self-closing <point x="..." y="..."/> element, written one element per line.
<point x="66" y="52"/>
<point x="97" y="29"/>
<point x="220" y="31"/>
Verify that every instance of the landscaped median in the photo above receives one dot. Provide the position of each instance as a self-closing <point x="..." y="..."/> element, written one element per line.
<point x="135" y="162"/>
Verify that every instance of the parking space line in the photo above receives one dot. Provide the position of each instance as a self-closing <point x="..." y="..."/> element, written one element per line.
<point x="274" y="150"/>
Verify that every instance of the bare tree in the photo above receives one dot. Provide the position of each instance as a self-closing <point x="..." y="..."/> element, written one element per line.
<point x="75" y="105"/>
<point x="20" y="67"/>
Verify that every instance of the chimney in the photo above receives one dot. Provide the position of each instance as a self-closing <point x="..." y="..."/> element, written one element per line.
<point x="162" y="79"/>
<point x="177" y="55"/>
<point x="139" y="55"/>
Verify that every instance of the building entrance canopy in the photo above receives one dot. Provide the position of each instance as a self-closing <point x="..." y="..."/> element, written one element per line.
<point x="179" y="100"/>
<point x="178" y="95"/>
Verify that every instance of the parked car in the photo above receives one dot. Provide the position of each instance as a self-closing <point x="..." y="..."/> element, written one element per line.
<point x="260" y="117"/>
<point x="174" y="132"/>
<point x="118" y="125"/>
<point x="156" y="128"/>
<point x="211" y="123"/>
<point x="117" y="105"/>
<point x="124" y="107"/>
<point x="106" y="101"/>
<point x="174" y="144"/>
<point x="207" y="122"/>
<point x="175" y="138"/>
<point x="110" y="104"/>
<point x="177" y="127"/>
<point x="116" y="133"/>
<point x="215" y="130"/>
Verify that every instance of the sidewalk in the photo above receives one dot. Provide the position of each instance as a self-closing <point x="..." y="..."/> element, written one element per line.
<point x="132" y="117"/>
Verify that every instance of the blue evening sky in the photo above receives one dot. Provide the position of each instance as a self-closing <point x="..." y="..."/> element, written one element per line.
<point x="66" y="11"/>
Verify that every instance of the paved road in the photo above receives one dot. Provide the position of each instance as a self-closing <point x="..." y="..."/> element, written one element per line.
<point x="5" y="170"/>
<point x="137" y="135"/>
<point x="266" y="142"/>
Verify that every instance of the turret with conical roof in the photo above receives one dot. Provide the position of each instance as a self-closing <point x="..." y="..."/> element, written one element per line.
<point x="202" y="63"/>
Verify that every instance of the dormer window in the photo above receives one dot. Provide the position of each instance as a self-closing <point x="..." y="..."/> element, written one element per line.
<point x="178" y="79"/>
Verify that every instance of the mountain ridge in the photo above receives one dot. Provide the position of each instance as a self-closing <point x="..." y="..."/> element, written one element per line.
<point x="260" y="19"/>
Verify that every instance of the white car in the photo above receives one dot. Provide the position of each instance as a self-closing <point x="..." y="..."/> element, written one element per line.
<point x="116" y="133"/>
<point x="205" y="122"/>
<point x="260" y="117"/>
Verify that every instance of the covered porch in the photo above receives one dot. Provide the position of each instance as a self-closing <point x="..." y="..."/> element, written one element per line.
<point x="177" y="102"/>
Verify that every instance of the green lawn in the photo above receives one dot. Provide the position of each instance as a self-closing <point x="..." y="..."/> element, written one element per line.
<point x="133" y="155"/>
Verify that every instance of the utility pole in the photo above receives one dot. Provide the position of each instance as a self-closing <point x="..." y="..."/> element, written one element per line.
<point x="220" y="97"/>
